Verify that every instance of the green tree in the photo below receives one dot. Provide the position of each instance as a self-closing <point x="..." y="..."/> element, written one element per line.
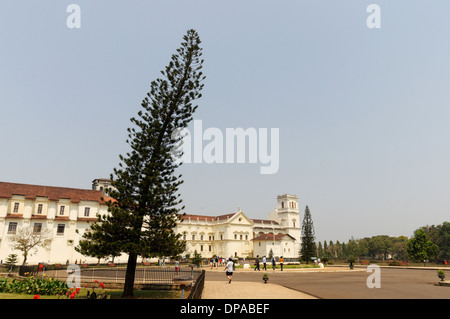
<point x="352" y="248"/>
<point x="363" y="247"/>
<point x="420" y="247"/>
<point x="11" y="260"/>
<point x="326" y="253"/>
<point x="197" y="259"/>
<point x="320" y="252"/>
<point x="398" y="248"/>
<point x="440" y="235"/>
<point x="146" y="205"/>
<point x="379" y="245"/>
<point x="308" y="247"/>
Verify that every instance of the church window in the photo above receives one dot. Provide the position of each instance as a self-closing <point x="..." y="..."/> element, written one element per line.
<point x="240" y="237"/>
<point x="12" y="227"/>
<point x="193" y="237"/>
<point x="16" y="208"/>
<point x="221" y="237"/>
<point x="201" y="237"/>
<point x="201" y="247"/>
<point x="235" y="236"/>
<point x="39" y="209"/>
<point x="246" y="237"/>
<point x="282" y="204"/>
<point x="60" y="229"/>
<point x="37" y="227"/>
<point x="209" y="247"/>
<point x="86" y="211"/>
<point x="61" y="210"/>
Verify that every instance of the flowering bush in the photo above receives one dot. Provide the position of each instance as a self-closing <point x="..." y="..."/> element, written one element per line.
<point x="34" y="286"/>
<point x="72" y="293"/>
<point x="93" y="294"/>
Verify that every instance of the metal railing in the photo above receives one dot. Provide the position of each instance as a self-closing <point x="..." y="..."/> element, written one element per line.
<point x="143" y="275"/>
<point x="197" y="289"/>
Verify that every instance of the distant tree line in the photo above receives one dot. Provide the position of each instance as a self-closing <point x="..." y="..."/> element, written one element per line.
<point x="431" y="243"/>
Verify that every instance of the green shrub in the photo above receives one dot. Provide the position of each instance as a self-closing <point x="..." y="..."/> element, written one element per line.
<point x="441" y="274"/>
<point x="34" y="286"/>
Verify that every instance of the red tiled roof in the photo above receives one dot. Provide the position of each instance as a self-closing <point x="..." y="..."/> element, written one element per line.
<point x="223" y="217"/>
<point x="265" y="221"/>
<point x="206" y="218"/>
<point x="7" y="190"/>
<point x="270" y="237"/>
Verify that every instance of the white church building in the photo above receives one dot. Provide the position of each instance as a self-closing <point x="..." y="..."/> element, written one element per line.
<point x="237" y="235"/>
<point x="66" y="213"/>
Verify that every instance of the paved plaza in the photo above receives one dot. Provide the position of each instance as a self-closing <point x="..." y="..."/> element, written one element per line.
<point x="328" y="283"/>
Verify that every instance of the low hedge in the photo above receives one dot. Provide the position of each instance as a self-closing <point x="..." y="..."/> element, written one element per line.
<point x="34" y="286"/>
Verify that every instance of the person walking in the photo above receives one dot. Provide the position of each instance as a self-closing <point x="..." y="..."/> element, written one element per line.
<point x="281" y="262"/>
<point x="274" y="263"/>
<point x="257" y="263"/>
<point x="264" y="262"/>
<point x="229" y="270"/>
<point x="177" y="266"/>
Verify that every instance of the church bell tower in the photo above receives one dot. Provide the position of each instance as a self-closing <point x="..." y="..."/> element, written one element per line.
<point x="288" y="215"/>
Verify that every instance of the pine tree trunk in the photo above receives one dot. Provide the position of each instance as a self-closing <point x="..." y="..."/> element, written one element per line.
<point x="129" y="276"/>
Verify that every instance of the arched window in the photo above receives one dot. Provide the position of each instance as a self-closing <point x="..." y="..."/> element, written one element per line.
<point x="282" y="204"/>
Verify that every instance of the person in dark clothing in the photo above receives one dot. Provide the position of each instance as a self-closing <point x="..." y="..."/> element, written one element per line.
<point x="257" y="263"/>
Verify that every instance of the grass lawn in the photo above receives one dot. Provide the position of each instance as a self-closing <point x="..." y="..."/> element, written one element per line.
<point x="114" y="293"/>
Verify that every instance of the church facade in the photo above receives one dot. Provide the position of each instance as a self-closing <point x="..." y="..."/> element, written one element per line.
<point x="66" y="213"/>
<point x="237" y="235"/>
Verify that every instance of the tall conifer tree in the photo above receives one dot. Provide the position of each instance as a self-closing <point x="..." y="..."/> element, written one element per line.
<point x="308" y="248"/>
<point x="146" y="205"/>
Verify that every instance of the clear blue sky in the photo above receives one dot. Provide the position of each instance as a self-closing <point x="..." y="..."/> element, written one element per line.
<point x="363" y="113"/>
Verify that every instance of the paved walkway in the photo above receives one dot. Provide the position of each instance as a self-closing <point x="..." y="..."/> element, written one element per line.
<point x="239" y="289"/>
<point x="249" y="290"/>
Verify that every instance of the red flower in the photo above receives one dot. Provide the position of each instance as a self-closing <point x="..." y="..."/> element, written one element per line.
<point x="72" y="295"/>
<point x="102" y="285"/>
<point x="96" y="281"/>
<point x="36" y="297"/>
<point x="77" y="291"/>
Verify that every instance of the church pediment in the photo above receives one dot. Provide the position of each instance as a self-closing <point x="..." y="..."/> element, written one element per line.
<point x="240" y="219"/>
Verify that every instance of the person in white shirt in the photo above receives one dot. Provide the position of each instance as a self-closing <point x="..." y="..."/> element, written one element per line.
<point x="229" y="270"/>
<point x="264" y="262"/>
